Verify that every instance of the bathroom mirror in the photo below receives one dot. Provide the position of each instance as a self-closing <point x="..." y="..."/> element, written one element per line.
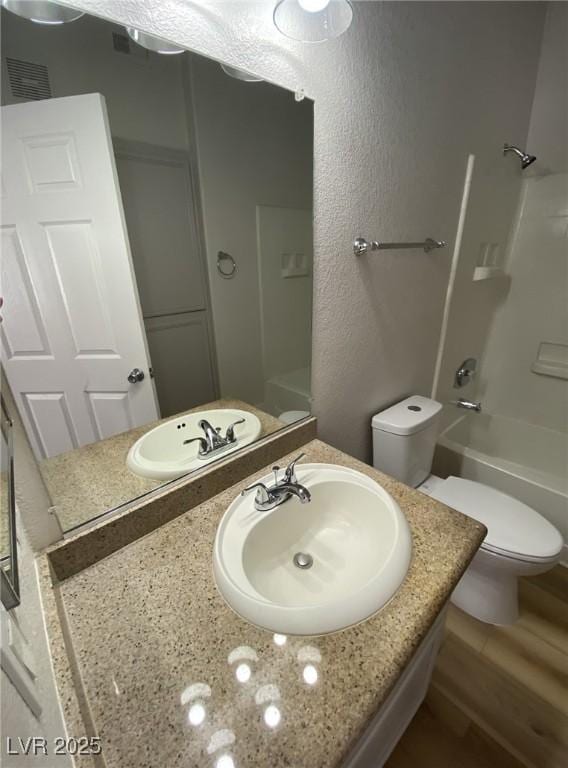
<point x="8" y="541"/>
<point x="157" y="270"/>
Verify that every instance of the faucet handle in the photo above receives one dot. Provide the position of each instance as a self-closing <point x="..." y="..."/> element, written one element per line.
<point x="230" y="434"/>
<point x="290" y="474"/>
<point x="262" y="494"/>
<point x="465" y="373"/>
<point x="202" y="444"/>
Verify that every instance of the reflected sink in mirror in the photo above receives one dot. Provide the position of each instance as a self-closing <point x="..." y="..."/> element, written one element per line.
<point x="164" y="454"/>
<point x="316" y="567"/>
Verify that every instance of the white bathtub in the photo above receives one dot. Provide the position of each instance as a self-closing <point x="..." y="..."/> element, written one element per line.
<point x="521" y="459"/>
<point x="288" y="392"/>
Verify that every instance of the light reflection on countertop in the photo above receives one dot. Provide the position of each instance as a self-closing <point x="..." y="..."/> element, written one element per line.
<point x="202" y="688"/>
<point x="248" y="666"/>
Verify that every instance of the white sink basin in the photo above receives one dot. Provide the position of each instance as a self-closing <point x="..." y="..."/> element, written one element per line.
<point x="353" y="529"/>
<point x="160" y="454"/>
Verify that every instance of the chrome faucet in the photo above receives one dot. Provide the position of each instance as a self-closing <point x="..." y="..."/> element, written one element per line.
<point x="270" y="497"/>
<point x="469" y="405"/>
<point x="213" y="441"/>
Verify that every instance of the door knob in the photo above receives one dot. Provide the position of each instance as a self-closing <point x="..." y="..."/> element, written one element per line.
<point x="135" y="375"/>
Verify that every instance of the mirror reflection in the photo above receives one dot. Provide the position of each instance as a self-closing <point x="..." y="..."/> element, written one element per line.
<point x="157" y="258"/>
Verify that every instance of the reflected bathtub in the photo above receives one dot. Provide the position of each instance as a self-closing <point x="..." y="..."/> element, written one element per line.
<point x="518" y="458"/>
<point x="288" y="392"/>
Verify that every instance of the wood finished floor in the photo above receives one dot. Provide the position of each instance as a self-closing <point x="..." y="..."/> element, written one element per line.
<point x="432" y="742"/>
<point x="499" y="695"/>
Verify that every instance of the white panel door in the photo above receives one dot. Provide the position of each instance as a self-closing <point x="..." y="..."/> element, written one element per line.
<point x="159" y="207"/>
<point x="182" y="360"/>
<point x="72" y="329"/>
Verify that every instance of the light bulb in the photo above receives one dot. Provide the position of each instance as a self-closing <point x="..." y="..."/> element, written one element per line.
<point x="42" y="11"/>
<point x="313" y="6"/>
<point x="313" y="21"/>
<point x="153" y="43"/>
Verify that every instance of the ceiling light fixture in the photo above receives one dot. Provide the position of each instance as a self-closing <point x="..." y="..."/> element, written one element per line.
<point x="153" y="43"/>
<point x="313" y="21"/>
<point x="42" y="11"/>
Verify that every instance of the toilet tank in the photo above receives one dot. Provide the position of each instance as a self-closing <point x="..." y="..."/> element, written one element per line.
<point x="404" y="437"/>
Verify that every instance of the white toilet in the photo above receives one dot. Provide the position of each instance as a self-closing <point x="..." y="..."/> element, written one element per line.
<point x="519" y="541"/>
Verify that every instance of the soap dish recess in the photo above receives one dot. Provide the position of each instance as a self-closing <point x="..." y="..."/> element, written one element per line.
<point x="551" y="360"/>
<point x="487" y="273"/>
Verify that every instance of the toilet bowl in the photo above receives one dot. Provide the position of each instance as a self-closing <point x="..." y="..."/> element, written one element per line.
<point x="519" y="540"/>
<point x="291" y="417"/>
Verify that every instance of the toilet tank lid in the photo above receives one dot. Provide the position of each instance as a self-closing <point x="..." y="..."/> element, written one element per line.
<point x="407" y="417"/>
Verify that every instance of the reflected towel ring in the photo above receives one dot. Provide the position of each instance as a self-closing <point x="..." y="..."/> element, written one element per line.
<point x="222" y="256"/>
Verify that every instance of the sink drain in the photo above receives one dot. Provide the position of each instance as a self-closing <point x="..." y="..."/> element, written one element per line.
<point x="302" y="560"/>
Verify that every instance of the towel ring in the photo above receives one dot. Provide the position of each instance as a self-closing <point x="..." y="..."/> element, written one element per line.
<point x="227" y="274"/>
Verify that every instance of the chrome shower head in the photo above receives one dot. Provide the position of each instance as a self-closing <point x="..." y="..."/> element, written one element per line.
<point x="525" y="158"/>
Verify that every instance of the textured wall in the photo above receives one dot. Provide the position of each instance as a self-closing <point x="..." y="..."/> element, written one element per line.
<point x="400" y="100"/>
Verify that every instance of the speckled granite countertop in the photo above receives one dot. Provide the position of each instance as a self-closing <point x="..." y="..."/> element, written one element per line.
<point x="90" y="480"/>
<point x="151" y="635"/>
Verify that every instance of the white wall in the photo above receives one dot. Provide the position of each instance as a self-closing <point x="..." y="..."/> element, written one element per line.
<point x="548" y="130"/>
<point x="144" y="93"/>
<point x="400" y="100"/>
<point x="488" y="222"/>
<point x="536" y="309"/>
<point x="254" y="145"/>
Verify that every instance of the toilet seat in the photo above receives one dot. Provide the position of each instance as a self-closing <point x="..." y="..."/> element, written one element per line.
<point x="290" y="417"/>
<point x="514" y="530"/>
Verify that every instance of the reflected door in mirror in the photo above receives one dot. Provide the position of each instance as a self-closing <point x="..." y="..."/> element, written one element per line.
<point x="73" y="329"/>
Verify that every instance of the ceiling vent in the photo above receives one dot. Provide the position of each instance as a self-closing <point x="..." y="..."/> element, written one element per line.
<point x="28" y="81"/>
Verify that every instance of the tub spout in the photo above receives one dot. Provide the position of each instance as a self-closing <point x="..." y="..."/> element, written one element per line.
<point x="469" y="405"/>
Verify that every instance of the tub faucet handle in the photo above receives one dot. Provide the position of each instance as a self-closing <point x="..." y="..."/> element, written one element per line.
<point x="468" y="405"/>
<point x="465" y="372"/>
